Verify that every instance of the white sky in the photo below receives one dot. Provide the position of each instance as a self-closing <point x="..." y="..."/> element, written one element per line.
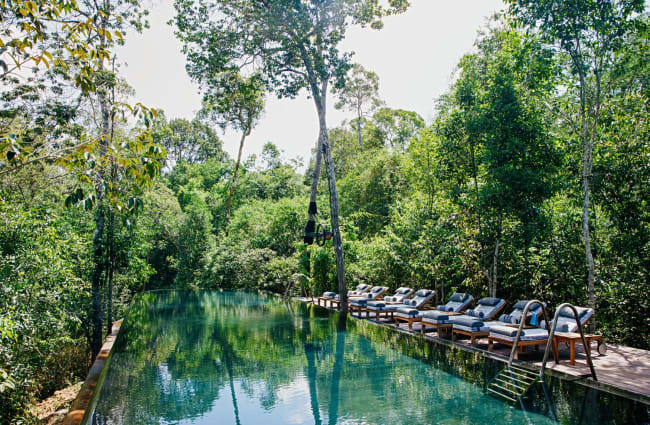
<point x="414" y="56"/>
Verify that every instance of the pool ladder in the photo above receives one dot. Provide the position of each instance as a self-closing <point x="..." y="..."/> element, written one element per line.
<point x="512" y="382"/>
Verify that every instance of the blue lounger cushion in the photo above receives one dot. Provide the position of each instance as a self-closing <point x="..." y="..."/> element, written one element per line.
<point x="457" y="302"/>
<point x="409" y="308"/>
<point x="376" y="304"/>
<point x="510" y="333"/>
<point x="435" y="316"/>
<point x="330" y="295"/>
<point x="486" y="326"/>
<point x="400" y="295"/>
<point x="375" y="292"/>
<point x="405" y="311"/>
<point x="518" y="311"/>
<point x="469" y="322"/>
<point x="359" y="290"/>
<point x="566" y="321"/>
<point x="382" y="306"/>
<point x="485" y="309"/>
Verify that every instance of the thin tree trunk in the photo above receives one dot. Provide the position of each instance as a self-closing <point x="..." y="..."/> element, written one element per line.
<point x="475" y="178"/>
<point x="527" y="263"/>
<point x="310" y="228"/>
<point x="234" y="176"/>
<point x="359" y="117"/>
<point x="111" y="267"/>
<point x="495" y="263"/>
<point x="587" y="158"/>
<point x="98" y="236"/>
<point x="105" y="292"/>
<point x="493" y="278"/>
<point x="96" y="280"/>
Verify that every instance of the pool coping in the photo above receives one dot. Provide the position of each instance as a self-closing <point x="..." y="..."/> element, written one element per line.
<point x="82" y="405"/>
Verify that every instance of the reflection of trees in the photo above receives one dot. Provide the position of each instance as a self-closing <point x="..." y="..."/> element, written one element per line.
<point x="310" y="356"/>
<point x="181" y="352"/>
<point x="339" y="353"/>
<point x="178" y="351"/>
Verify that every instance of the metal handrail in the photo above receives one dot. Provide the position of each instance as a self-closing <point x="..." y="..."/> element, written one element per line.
<point x="582" y="336"/>
<point x="521" y="326"/>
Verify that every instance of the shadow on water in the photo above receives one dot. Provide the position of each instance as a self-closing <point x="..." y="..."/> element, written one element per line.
<point x="232" y="357"/>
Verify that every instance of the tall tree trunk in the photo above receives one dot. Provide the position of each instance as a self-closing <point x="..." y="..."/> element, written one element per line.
<point x="234" y="176"/>
<point x="334" y="202"/>
<point x="319" y="94"/>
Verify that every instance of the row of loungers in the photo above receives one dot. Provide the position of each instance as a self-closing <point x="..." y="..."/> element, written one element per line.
<point x="410" y="306"/>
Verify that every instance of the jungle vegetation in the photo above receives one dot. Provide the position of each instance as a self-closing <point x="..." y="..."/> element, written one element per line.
<point x="532" y="180"/>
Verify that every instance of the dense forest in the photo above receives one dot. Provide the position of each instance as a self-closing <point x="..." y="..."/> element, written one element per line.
<point x="532" y="180"/>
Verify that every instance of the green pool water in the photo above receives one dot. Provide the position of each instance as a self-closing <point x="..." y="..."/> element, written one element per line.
<point x="246" y="358"/>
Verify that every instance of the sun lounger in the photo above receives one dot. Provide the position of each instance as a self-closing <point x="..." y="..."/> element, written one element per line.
<point x="566" y="321"/>
<point x="503" y="334"/>
<point x="410" y="309"/>
<point x="333" y="297"/>
<point x="389" y="303"/>
<point x="486" y="309"/>
<point x="439" y="318"/>
<point x="530" y="336"/>
<point x="567" y="331"/>
<point x="359" y="302"/>
<point x="476" y="328"/>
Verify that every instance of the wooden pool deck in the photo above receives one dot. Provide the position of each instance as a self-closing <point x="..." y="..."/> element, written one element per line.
<point x="624" y="368"/>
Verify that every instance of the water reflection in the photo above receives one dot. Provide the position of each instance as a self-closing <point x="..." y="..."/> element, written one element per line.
<point x="225" y="357"/>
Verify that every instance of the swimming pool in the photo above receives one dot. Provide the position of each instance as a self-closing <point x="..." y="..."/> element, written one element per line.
<point x="247" y="358"/>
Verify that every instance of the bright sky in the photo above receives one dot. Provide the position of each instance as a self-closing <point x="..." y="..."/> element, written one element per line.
<point x="414" y="55"/>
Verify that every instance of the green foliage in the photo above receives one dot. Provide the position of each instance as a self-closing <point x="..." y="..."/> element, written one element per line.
<point x="484" y="199"/>
<point x="293" y="56"/>
<point x="393" y="128"/>
<point x="42" y="304"/>
<point x="195" y="240"/>
<point x="184" y="140"/>
<point x="369" y="191"/>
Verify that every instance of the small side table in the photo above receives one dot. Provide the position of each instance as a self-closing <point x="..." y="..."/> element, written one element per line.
<point x="571" y="338"/>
